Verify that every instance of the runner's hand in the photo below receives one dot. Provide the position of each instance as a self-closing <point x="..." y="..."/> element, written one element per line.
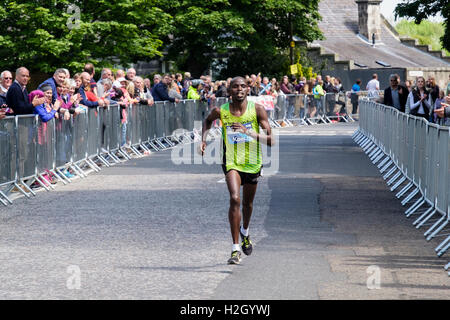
<point x="202" y="148"/>
<point x="239" y="127"/>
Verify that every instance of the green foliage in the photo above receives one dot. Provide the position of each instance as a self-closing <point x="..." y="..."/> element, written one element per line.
<point x="48" y="35"/>
<point x="427" y="32"/>
<point x="422" y="9"/>
<point x="254" y="34"/>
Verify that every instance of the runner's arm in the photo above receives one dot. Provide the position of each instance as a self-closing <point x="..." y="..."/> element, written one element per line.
<point x="214" y="115"/>
<point x="265" y="135"/>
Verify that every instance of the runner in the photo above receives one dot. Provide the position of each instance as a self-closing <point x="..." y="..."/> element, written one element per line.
<point x="242" y="158"/>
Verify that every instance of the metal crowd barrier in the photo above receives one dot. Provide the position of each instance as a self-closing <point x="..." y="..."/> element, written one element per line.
<point x="414" y="157"/>
<point x="35" y="153"/>
<point x="306" y="109"/>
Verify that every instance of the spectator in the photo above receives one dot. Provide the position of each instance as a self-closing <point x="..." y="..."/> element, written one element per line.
<point x="330" y="94"/>
<point x="120" y="74"/>
<point x="438" y="105"/>
<point x="17" y="95"/>
<point x="131" y="73"/>
<point x="194" y="89"/>
<point x="160" y="91"/>
<point x="222" y="90"/>
<point x="78" y="82"/>
<point x="354" y="96"/>
<point x="421" y="102"/>
<point x="340" y="99"/>
<point x="56" y="80"/>
<point x="141" y="93"/>
<point x="179" y="82"/>
<point x="173" y="91"/>
<point x="373" y="86"/>
<point x="395" y="95"/>
<point x="264" y="88"/>
<point x="310" y="98"/>
<point x="186" y="83"/>
<point x="89" y="68"/>
<point x="106" y="74"/>
<point x="47" y="110"/>
<point x="5" y="83"/>
<point x="86" y="87"/>
<point x="408" y="85"/>
<point x="433" y="88"/>
<point x="444" y="111"/>
<point x="318" y="93"/>
<point x="147" y="84"/>
<point x="156" y="79"/>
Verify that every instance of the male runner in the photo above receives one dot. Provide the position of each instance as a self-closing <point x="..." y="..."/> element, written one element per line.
<point x="242" y="157"/>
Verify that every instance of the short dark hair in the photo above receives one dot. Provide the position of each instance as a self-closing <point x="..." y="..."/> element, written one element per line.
<point x="89" y="68"/>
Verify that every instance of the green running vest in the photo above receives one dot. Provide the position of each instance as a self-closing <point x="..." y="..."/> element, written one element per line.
<point x="241" y="152"/>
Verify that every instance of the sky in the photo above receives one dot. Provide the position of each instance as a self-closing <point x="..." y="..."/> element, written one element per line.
<point x="388" y="6"/>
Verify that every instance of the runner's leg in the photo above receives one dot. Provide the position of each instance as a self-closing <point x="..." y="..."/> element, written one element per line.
<point x="249" y="192"/>
<point x="233" y="180"/>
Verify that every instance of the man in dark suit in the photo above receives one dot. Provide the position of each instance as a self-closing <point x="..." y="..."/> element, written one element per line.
<point x="17" y="95"/>
<point x="396" y="95"/>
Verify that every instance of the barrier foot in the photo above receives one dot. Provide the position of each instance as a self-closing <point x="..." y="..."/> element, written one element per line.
<point x="136" y="151"/>
<point x="359" y="137"/>
<point x="410" y="196"/>
<point x="365" y="142"/>
<point x="399" y="182"/>
<point x="167" y="140"/>
<point x="442" y="244"/>
<point x="390" y="172"/>
<point x="404" y="190"/>
<point x="426" y="219"/>
<point x="77" y="170"/>
<point x="386" y="166"/>
<point x="124" y="154"/>
<point x="163" y="147"/>
<point x="21" y="190"/>
<point x="375" y="154"/>
<point x="378" y="157"/>
<point x="62" y="176"/>
<point x="103" y="160"/>
<point x="6" y="197"/>
<point x="382" y="163"/>
<point x="153" y="146"/>
<point x="57" y="176"/>
<point x="447" y="266"/>
<point x="27" y="187"/>
<point x="42" y="181"/>
<point x="431" y="234"/>
<point x="113" y="156"/>
<point x="394" y="178"/>
<point x="93" y="165"/>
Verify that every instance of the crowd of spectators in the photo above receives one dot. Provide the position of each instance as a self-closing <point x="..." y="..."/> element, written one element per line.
<point x="63" y="95"/>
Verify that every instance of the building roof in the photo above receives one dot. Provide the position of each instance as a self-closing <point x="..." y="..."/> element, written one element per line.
<point x="340" y="27"/>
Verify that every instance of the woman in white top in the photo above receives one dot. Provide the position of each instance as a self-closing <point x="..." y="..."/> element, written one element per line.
<point x="420" y="102"/>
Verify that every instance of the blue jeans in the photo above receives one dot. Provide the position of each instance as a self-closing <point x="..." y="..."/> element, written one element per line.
<point x="123" y="136"/>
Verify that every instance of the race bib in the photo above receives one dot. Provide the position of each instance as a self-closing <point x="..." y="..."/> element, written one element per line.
<point x="237" y="137"/>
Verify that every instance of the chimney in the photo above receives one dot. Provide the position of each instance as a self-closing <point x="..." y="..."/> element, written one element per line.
<point x="369" y="19"/>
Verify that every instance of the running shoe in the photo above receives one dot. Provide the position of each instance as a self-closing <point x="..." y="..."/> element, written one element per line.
<point x="235" y="258"/>
<point x="246" y="244"/>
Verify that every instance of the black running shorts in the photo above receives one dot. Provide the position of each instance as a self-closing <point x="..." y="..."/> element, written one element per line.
<point x="246" y="178"/>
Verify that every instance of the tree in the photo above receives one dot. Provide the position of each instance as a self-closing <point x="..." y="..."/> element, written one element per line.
<point x="422" y="9"/>
<point x="45" y="35"/>
<point x="252" y="34"/>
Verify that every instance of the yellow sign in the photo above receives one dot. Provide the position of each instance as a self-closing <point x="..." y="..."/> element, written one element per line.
<point x="292" y="44"/>
<point x="294" y="69"/>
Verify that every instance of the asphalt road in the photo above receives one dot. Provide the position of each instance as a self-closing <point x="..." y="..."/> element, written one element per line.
<point x="151" y="229"/>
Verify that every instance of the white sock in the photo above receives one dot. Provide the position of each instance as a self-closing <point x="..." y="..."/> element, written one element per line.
<point x="236" y="247"/>
<point x="244" y="231"/>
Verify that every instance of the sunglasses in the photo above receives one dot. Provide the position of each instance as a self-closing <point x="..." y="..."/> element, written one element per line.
<point x="7" y="78"/>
